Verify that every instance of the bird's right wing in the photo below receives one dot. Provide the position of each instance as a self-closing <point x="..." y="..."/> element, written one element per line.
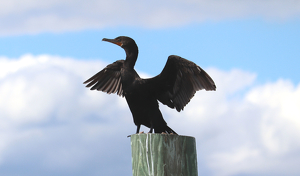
<point x="108" y="80"/>
<point x="178" y="82"/>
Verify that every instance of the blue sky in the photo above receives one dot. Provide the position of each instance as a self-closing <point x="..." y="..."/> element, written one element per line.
<point x="267" y="48"/>
<point x="50" y="124"/>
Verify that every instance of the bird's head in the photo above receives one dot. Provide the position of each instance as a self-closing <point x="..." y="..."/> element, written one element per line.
<point x="122" y="41"/>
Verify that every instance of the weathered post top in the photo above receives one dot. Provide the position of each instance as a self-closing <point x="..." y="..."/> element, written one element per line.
<point x="163" y="155"/>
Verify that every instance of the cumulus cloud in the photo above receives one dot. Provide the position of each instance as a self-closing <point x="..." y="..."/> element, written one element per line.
<point x="33" y="16"/>
<point x="50" y="124"/>
<point x="49" y="121"/>
<point x="256" y="132"/>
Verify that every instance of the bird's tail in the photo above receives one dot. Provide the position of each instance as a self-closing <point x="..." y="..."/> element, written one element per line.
<point x="170" y="131"/>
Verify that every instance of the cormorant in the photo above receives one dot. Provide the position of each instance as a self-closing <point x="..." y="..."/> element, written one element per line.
<point x="174" y="86"/>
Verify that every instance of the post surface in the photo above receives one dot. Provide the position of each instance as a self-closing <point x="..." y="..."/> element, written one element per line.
<point x="163" y="155"/>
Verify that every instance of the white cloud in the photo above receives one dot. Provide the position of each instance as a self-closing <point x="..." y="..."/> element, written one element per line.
<point x="33" y="16"/>
<point x="256" y="133"/>
<point x="50" y="123"/>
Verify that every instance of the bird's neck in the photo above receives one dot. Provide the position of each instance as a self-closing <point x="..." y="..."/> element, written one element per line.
<point x="131" y="57"/>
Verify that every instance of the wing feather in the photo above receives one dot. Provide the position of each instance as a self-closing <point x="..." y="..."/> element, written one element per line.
<point x="179" y="81"/>
<point x="108" y="80"/>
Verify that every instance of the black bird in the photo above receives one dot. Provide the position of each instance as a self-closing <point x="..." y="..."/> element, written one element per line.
<point x="174" y="86"/>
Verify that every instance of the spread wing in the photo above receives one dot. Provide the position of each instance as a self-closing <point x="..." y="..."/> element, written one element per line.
<point x="179" y="81"/>
<point x="108" y="80"/>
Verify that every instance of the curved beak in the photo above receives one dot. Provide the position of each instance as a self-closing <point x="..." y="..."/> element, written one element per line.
<point x="112" y="41"/>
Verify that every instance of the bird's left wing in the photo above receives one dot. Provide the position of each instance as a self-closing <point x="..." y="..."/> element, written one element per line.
<point x="108" y="80"/>
<point x="178" y="82"/>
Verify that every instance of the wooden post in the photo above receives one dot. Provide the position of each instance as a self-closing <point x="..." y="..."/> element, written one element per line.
<point x="163" y="155"/>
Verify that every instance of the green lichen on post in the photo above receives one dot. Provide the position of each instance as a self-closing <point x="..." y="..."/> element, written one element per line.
<point x="163" y="155"/>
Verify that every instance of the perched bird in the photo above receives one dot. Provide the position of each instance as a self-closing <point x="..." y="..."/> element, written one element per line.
<point x="174" y="86"/>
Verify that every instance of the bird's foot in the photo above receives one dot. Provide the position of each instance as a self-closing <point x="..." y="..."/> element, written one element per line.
<point x="150" y="132"/>
<point x="136" y="133"/>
